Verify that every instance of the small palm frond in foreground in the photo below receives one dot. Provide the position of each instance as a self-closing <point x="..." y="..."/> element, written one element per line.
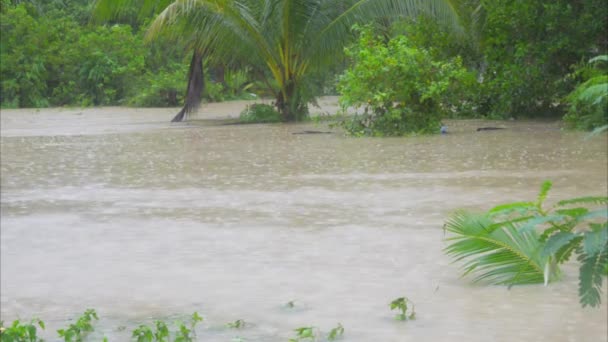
<point x="496" y="253"/>
<point x="503" y="246"/>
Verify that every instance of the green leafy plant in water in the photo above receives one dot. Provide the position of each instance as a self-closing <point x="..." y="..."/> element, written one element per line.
<point x="78" y="331"/>
<point x="239" y="323"/>
<point x="524" y="242"/>
<point x="143" y="333"/>
<point x="188" y="334"/>
<point x="161" y="333"/>
<point x="336" y="333"/>
<point x="304" y="333"/>
<point x="403" y="304"/>
<point x="21" y="332"/>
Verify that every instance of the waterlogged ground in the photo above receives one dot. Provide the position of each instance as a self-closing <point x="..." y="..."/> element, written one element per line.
<point x="118" y="210"/>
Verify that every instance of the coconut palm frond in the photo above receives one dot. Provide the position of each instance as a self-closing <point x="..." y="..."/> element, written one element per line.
<point x="600" y="58"/>
<point x="598" y="131"/>
<point x="498" y="254"/>
<point x="104" y="10"/>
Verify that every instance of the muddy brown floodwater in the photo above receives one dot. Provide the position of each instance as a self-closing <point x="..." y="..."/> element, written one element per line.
<point x="119" y="210"/>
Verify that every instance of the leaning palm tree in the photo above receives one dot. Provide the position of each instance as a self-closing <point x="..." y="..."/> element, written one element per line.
<point x="105" y="10"/>
<point x="287" y="39"/>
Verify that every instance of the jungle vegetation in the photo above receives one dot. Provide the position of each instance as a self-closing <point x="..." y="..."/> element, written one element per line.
<point x="508" y="59"/>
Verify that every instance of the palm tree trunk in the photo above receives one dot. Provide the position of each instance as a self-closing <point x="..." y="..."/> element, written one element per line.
<point x="289" y="104"/>
<point x="196" y="85"/>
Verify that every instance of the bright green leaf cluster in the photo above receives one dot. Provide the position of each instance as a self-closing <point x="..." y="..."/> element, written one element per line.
<point x="78" y="331"/>
<point x="21" y="332"/>
<point x="402" y="88"/>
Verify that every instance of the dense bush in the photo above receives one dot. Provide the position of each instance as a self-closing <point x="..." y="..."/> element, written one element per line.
<point x="51" y="56"/>
<point x="402" y="89"/>
<point x="54" y="61"/>
<point x="529" y="46"/>
<point x="523" y="51"/>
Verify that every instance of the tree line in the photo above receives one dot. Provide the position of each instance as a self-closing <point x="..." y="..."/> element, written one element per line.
<point x="515" y="58"/>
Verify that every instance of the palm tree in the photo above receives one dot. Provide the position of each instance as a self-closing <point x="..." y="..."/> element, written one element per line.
<point x="105" y="10"/>
<point x="286" y="39"/>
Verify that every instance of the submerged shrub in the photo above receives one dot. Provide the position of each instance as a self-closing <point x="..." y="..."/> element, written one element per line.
<point x="402" y="88"/>
<point x="18" y="331"/>
<point x="78" y="331"/>
<point x="260" y="113"/>
<point x="405" y="308"/>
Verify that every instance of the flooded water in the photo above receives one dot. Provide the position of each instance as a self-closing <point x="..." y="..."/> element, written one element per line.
<point x="117" y="209"/>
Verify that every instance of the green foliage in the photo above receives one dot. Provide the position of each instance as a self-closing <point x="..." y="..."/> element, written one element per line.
<point x="402" y="88"/>
<point x="504" y="245"/>
<point x="21" y="332"/>
<point x="144" y="333"/>
<point x="78" y="331"/>
<point x="52" y="60"/>
<point x="498" y="252"/>
<point x="51" y="56"/>
<point x="111" y="57"/>
<point x="444" y="45"/>
<point x="260" y="113"/>
<point x="403" y="304"/>
<point x="288" y="41"/>
<point x="161" y="332"/>
<point x="593" y="257"/>
<point x="336" y="333"/>
<point x="528" y="46"/>
<point x="238" y="83"/>
<point x="214" y="92"/>
<point x="304" y="333"/>
<point x="165" y="87"/>
<point x="589" y="101"/>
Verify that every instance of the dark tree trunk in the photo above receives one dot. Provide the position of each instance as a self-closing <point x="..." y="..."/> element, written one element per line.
<point x="219" y="74"/>
<point x="196" y="85"/>
<point x="291" y="106"/>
